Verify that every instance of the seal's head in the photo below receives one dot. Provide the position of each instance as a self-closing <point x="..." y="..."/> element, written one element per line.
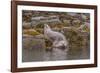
<point x="46" y="26"/>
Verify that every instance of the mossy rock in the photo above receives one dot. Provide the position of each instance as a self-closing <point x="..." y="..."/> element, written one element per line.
<point x="40" y="25"/>
<point x="75" y="38"/>
<point x="31" y="32"/>
<point x="40" y="30"/>
<point x="86" y="29"/>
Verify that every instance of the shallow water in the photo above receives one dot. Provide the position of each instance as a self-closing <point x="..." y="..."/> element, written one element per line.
<point x="38" y="53"/>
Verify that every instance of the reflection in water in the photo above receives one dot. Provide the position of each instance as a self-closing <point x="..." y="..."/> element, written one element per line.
<point x="38" y="53"/>
<point x="56" y="54"/>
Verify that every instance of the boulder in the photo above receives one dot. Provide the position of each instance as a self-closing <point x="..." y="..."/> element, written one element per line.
<point x="26" y="25"/>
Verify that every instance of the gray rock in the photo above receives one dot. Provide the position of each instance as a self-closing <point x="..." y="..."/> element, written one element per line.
<point x="26" y="25"/>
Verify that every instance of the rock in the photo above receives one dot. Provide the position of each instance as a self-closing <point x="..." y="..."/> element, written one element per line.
<point x="84" y="17"/>
<point x="84" y="27"/>
<point x="76" y="22"/>
<point x="27" y="36"/>
<point x="45" y="19"/>
<point x="87" y="24"/>
<point x="30" y="32"/>
<point x="72" y="14"/>
<point x="41" y="36"/>
<point x="26" y="25"/>
<point x="27" y="13"/>
<point x="67" y="22"/>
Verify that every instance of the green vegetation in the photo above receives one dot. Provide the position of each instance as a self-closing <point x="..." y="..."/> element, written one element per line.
<point x="33" y="33"/>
